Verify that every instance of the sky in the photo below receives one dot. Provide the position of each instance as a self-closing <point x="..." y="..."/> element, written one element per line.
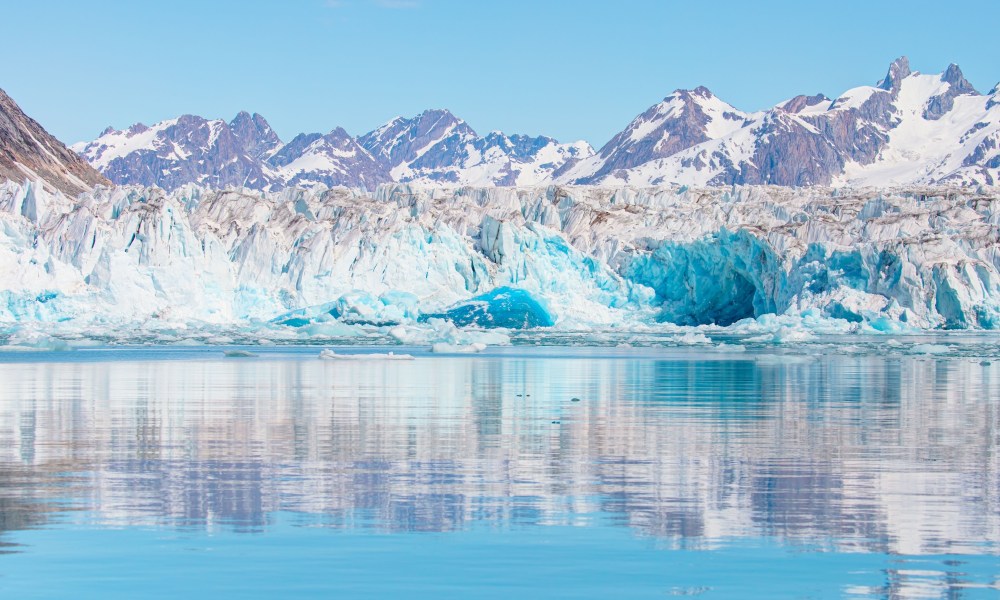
<point x="568" y="69"/>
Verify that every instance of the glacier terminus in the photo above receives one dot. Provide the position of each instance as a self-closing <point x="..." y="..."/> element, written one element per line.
<point x="338" y="262"/>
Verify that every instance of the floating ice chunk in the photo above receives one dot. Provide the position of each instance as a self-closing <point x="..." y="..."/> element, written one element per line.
<point x="239" y="354"/>
<point x="439" y="330"/>
<point x="356" y="307"/>
<point x="931" y="349"/>
<point x="784" y="335"/>
<point x="506" y="307"/>
<point x="691" y="339"/>
<point x="787" y="335"/>
<point x="331" y="355"/>
<point x="724" y="347"/>
<point x="445" y="348"/>
<point x="35" y="341"/>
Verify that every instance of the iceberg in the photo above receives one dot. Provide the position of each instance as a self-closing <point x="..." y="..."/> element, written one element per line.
<point x="504" y="307"/>
<point x="331" y="355"/>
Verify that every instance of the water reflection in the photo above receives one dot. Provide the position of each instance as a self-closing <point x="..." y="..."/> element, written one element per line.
<point x="894" y="455"/>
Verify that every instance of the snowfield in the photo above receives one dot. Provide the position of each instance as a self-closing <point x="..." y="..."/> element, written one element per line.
<point x="432" y="264"/>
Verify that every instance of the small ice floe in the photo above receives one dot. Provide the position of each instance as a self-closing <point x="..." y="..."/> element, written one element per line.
<point x="238" y="354"/>
<point x="693" y="339"/>
<point x="931" y="349"/>
<point x="724" y="347"/>
<point x="331" y="355"/>
<point x="446" y="348"/>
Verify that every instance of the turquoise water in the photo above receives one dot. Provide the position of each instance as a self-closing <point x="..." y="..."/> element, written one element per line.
<point x="531" y="472"/>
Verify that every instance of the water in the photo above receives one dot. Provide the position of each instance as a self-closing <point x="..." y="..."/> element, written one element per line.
<point x="128" y="473"/>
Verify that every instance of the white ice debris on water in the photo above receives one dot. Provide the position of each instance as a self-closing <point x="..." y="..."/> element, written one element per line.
<point x="692" y="338"/>
<point x="327" y="354"/>
<point x="464" y="266"/>
<point x="446" y="348"/>
<point x="931" y="349"/>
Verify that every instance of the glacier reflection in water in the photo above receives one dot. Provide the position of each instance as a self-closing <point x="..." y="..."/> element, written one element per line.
<point x="837" y="455"/>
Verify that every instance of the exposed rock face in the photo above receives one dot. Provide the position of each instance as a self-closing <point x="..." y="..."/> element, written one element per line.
<point x="799" y="103"/>
<point x="940" y="104"/>
<point x="27" y="151"/>
<point x="255" y="135"/>
<point x="898" y="71"/>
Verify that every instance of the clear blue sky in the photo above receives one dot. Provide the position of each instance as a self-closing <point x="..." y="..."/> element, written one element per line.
<point x="572" y="70"/>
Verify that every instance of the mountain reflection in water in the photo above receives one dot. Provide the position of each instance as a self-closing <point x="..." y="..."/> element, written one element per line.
<point x="887" y="454"/>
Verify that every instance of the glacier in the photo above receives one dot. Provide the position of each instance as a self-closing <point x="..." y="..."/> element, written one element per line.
<point x="430" y="264"/>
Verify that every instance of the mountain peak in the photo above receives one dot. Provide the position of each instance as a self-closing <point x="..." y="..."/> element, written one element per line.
<point x="699" y="92"/>
<point x="254" y="134"/>
<point x="959" y="84"/>
<point x="702" y="91"/>
<point x="441" y="112"/>
<point x="898" y="71"/>
<point x="338" y="132"/>
<point x="799" y="103"/>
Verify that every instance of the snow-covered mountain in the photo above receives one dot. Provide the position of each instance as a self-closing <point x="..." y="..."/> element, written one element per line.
<point x="438" y="147"/>
<point x="333" y="159"/>
<point x="188" y="149"/>
<point x="27" y="151"/>
<point x="433" y="147"/>
<point x="908" y="129"/>
<point x="682" y="120"/>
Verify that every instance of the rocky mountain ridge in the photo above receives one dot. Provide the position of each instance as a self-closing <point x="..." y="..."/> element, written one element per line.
<point x="27" y="151"/>
<point x="435" y="147"/>
<point x="907" y="129"/>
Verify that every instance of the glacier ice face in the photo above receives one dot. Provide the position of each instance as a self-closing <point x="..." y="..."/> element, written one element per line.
<point x="345" y="263"/>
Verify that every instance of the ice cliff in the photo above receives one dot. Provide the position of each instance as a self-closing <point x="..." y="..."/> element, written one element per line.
<point x="569" y="257"/>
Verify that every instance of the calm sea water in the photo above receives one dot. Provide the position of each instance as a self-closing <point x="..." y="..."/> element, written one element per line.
<point x="533" y="473"/>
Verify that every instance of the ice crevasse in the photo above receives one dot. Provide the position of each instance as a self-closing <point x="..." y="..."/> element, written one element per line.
<point x="558" y="256"/>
